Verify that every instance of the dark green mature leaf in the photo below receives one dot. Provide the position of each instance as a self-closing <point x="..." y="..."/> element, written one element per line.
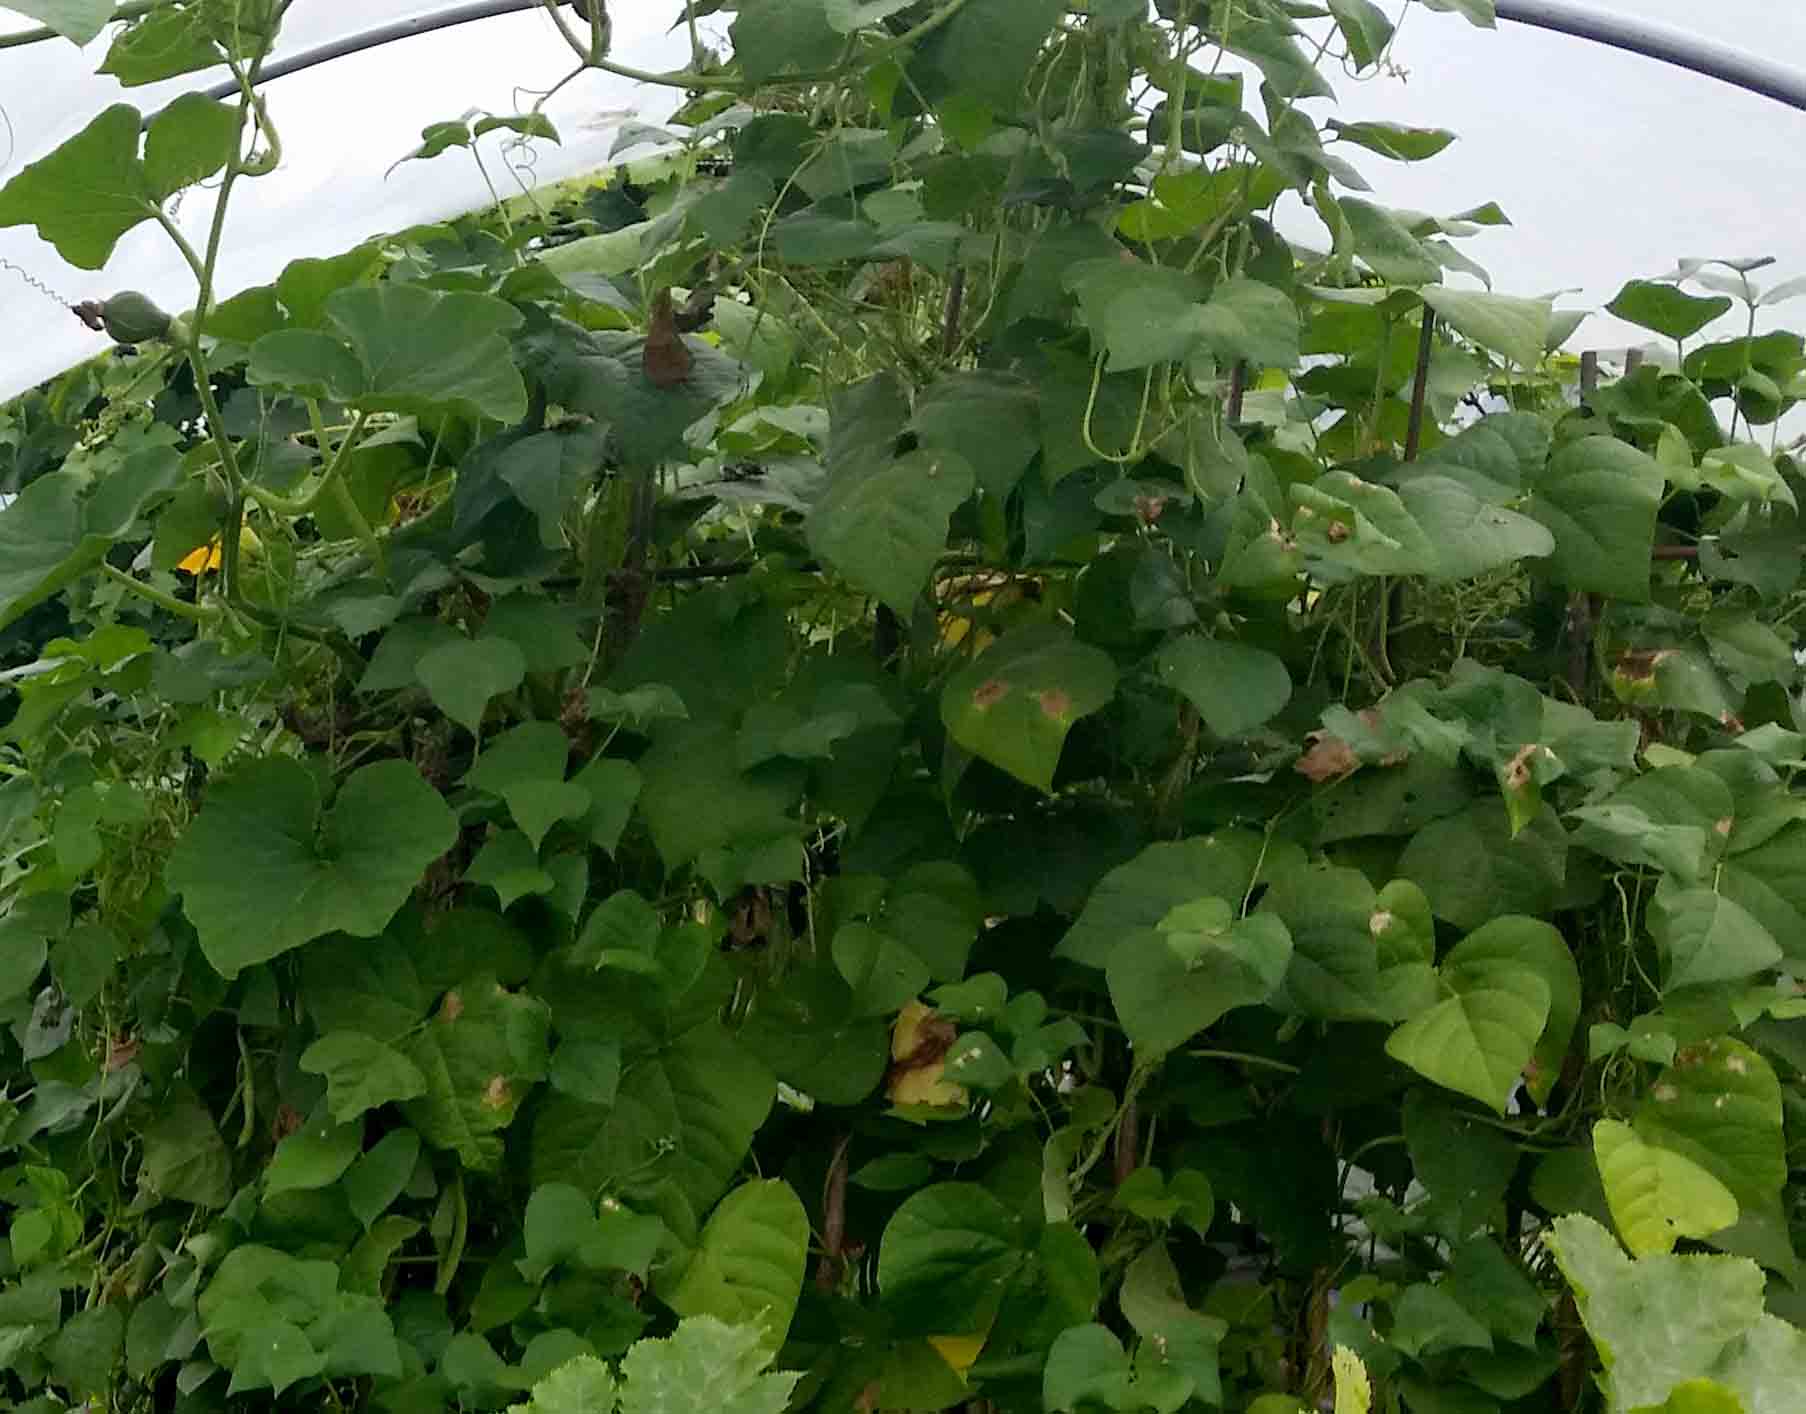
<point x="1184" y="1341"/>
<point x="882" y="523"/>
<point x="1706" y="937"/>
<point x="1172" y="981"/>
<point x="187" y="142"/>
<point x="1234" y="687"/>
<point x="88" y="193"/>
<point x="943" y="1254"/>
<point x="1138" y="895"/>
<point x="361" y="1073"/>
<point x="1356" y="954"/>
<point x="683" y="1121"/>
<point x="53" y="534"/>
<point x="1392" y="140"/>
<point x="748" y="1268"/>
<point x="984" y="53"/>
<point x="260" y="871"/>
<point x="1535" y="946"/>
<point x="1014" y="705"/>
<point x="1599" y="496"/>
<point x="1086" y="1367"/>
<point x="1665" y="308"/>
<point x="465" y="675"/>
<point x="402" y="348"/>
<point x="771" y="36"/>
<point x="185" y="1159"/>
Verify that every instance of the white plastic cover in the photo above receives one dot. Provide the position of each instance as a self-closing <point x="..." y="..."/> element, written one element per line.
<point x="343" y="125"/>
<point x="1611" y="166"/>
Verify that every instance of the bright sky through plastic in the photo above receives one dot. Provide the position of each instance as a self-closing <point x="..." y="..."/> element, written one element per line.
<point x="1611" y="166"/>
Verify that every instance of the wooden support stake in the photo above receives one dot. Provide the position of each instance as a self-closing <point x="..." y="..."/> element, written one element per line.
<point x="1420" y="384"/>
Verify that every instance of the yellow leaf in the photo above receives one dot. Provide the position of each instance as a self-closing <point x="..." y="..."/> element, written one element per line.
<point x="959" y="1351"/>
<point x="1354" y="1391"/>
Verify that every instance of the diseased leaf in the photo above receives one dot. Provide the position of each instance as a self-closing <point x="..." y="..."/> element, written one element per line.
<point x="1014" y="705"/>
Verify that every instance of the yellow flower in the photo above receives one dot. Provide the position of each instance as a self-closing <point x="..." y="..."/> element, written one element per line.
<point x="204" y="559"/>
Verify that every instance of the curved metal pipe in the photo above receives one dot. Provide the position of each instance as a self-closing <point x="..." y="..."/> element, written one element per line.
<point x="1652" y="41"/>
<point x="1664" y="44"/>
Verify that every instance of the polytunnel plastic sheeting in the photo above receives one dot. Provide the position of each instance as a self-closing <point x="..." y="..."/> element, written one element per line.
<point x="1611" y="166"/>
<point x="343" y="126"/>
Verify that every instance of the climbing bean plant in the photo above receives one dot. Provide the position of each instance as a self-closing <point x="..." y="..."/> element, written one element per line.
<point x="899" y="760"/>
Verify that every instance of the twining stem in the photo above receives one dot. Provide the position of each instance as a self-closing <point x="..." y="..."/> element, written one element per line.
<point x="727" y="83"/>
<point x="301" y="505"/>
<point x="166" y="602"/>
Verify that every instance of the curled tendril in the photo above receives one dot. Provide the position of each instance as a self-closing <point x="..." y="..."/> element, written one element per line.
<point x="35" y="282"/>
<point x="12" y="140"/>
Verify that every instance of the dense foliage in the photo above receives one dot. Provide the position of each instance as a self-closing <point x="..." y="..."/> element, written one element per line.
<point x="911" y="733"/>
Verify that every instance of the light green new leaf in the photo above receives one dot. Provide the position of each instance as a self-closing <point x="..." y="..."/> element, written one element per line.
<point x="260" y="872"/>
<point x="1235" y="688"/>
<point x="1660" y="1320"/>
<point x="1170" y="982"/>
<point x="748" y="1267"/>
<point x="704" y="1364"/>
<point x="1598" y="496"/>
<point x="361" y="1073"/>
<point x="76" y="20"/>
<point x="1539" y="947"/>
<point x="1014" y="705"/>
<point x="882" y="523"/>
<point x="1478" y="1040"/>
<point x="583" y="1385"/>
<point x="1656" y="1195"/>
<point x="1516" y="328"/>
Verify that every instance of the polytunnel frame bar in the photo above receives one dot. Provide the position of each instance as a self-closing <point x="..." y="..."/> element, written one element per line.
<point x="1662" y="43"/>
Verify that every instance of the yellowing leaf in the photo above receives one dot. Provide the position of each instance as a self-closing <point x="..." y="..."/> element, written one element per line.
<point x="959" y="1351"/>
<point x="1354" y="1391"/>
<point x="918" y="1050"/>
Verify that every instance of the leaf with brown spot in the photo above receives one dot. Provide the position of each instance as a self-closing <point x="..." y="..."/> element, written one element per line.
<point x="666" y="358"/>
<point x="1014" y="705"/>
<point x="1329" y="759"/>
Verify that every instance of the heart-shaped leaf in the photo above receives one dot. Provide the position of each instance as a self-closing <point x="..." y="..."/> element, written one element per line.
<point x="1015" y="704"/>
